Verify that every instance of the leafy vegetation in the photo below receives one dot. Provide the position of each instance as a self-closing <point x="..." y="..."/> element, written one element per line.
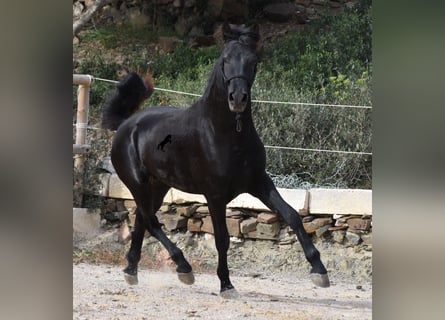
<point x="328" y="63"/>
<point x="184" y="62"/>
<point x="123" y="35"/>
<point x="334" y="45"/>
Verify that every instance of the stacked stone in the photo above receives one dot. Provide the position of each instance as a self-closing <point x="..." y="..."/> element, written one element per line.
<point x="350" y="230"/>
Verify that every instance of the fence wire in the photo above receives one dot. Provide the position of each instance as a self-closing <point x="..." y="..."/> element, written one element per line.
<point x="270" y="102"/>
<point x="292" y="180"/>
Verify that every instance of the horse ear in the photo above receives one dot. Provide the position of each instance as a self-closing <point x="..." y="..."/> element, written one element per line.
<point x="254" y="28"/>
<point x="223" y="33"/>
<point x="248" y="35"/>
<point x="227" y="31"/>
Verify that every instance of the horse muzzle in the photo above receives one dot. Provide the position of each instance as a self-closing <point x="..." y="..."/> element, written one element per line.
<point x="238" y="100"/>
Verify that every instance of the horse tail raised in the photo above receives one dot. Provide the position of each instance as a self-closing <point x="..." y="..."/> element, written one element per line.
<point x="126" y="100"/>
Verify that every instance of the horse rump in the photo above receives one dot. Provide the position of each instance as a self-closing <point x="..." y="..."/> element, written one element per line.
<point x="126" y="100"/>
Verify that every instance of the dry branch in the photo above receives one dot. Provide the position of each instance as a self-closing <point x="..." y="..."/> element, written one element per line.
<point x="85" y="17"/>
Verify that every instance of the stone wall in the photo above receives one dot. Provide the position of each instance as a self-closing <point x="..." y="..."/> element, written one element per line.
<point x="343" y="216"/>
<point x="193" y="17"/>
<point x="349" y="230"/>
<point x="260" y="242"/>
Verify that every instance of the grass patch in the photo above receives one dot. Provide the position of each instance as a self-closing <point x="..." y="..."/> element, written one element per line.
<point x="112" y="36"/>
<point x="99" y="255"/>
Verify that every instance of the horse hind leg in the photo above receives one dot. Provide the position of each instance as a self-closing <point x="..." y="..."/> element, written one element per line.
<point x="268" y="194"/>
<point x="148" y="204"/>
<point x="184" y="269"/>
<point x="134" y="254"/>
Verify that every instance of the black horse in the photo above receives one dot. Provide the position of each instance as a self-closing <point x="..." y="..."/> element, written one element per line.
<point x="211" y="148"/>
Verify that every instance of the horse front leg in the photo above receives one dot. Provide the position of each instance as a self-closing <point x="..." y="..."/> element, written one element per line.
<point x="265" y="190"/>
<point x="217" y="210"/>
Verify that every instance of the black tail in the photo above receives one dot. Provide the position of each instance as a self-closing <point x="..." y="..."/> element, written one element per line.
<point x="126" y="100"/>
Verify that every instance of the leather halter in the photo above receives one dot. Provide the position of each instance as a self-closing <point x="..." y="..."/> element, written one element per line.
<point x="227" y="80"/>
<point x="238" y="116"/>
<point x="239" y="123"/>
<point x="235" y="77"/>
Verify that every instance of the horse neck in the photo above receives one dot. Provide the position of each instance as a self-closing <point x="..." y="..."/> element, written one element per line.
<point x="214" y="105"/>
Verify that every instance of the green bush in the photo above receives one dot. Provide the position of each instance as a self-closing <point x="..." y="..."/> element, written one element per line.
<point x="184" y="62"/>
<point x="317" y="128"/>
<point x="123" y="35"/>
<point x="334" y="45"/>
<point x="329" y="63"/>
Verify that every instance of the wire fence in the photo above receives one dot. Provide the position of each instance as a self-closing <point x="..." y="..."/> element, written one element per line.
<point x="358" y="153"/>
<point x="335" y="163"/>
<point x="256" y="101"/>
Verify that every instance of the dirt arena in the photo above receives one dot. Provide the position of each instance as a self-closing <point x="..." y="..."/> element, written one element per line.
<point x="100" y="292"/>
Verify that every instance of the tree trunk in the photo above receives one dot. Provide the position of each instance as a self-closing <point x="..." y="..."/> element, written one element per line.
<point x="85" y="17"/>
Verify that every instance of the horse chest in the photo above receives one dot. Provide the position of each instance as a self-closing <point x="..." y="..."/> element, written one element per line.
<point x="237" y="162"/>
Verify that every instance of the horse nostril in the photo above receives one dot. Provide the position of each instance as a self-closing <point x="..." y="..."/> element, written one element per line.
<point x="231" y="97"/>
<point x="244" y="98"/>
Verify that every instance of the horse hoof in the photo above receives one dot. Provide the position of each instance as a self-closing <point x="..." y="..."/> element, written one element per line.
<point x="321" y="280"/>
<point x="230" y="294"/>
<point x="131" y="279"/>
<point x="187" y="278"/>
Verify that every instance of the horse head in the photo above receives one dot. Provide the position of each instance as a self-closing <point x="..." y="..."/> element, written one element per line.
<point x="239" y="62"/>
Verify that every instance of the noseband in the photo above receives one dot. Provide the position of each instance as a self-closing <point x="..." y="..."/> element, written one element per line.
<point x="227" y="80"/>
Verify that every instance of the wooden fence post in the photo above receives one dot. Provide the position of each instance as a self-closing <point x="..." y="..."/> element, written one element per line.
<point x="80" y="148"/>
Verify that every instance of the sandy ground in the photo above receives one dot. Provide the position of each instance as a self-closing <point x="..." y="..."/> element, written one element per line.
<point x="100" y="292"/>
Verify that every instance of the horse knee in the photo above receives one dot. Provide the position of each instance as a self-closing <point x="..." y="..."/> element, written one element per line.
<point x="312" y="254"/>
<point x="134" y="256"/>
<point x="222" y="245"/>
